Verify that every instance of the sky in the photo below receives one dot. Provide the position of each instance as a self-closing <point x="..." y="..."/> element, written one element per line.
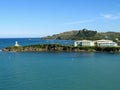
<point x="38" y="18"/>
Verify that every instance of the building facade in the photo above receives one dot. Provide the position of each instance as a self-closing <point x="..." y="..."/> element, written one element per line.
<point x="106" y="43"/>
<point x="84" y="43"/>
<point x="99" y="43"/>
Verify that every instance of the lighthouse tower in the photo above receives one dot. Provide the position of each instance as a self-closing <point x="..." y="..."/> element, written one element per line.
<point x="16" y="44"/>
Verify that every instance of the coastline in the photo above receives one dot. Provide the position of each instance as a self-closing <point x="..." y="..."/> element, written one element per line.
<point x="59" y="48"/>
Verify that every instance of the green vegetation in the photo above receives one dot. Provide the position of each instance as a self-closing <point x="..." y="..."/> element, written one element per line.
<point x="86" y="34"/>
<point x="60" y="48"/>
<point x="73" y="35"/>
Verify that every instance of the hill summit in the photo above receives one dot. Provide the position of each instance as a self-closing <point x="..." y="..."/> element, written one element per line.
<point x="85" y="34"/>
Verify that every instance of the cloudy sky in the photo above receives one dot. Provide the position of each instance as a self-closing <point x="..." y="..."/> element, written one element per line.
<point x="37" y="18"/>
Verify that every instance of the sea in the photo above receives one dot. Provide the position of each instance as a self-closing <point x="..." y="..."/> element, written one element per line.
<point x="57" y="70"/>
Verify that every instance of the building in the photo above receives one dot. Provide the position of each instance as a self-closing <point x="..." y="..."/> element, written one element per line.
<point x="84" y="43"/>
<point x="106" y="43"/>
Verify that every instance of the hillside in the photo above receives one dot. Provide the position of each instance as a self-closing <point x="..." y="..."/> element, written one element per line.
<point x="85" y="34"/>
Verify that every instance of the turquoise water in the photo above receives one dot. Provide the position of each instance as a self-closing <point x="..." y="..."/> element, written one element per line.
<point x="57" y="70"/>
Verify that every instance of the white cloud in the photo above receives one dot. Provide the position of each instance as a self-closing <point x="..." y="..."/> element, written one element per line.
<point x="107" y="16"/>
<point x="110" y="16"/>
<point x="79" y="22"/>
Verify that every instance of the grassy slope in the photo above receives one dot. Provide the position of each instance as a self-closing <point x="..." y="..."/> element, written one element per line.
<point x="85" y="34"/>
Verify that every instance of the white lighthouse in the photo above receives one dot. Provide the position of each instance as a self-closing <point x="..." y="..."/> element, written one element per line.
<point x="16" y="44"/>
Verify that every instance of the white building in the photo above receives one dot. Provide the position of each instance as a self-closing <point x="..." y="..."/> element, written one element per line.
<point x="106" y="43"/>
<point x="84" y="43"/>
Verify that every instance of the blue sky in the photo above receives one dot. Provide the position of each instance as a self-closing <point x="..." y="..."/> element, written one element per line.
<point x="37" y="18"/>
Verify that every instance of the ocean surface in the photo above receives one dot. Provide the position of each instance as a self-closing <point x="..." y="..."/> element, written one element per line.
<point x="5" y="42"/>
<point x="57" y="70"/>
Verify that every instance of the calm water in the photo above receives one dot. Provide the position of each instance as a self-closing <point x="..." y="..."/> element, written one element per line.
<point x="58" y="71"/>
<point x="28" y="41"/>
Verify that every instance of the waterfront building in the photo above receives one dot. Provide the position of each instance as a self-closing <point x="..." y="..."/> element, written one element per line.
<point x="84" y="43"/>
<point x="106" y="43"/>
<point x="99" y="43"/>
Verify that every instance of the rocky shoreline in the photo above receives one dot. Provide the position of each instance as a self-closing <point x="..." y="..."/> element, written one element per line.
<point x="59" y="48"/>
